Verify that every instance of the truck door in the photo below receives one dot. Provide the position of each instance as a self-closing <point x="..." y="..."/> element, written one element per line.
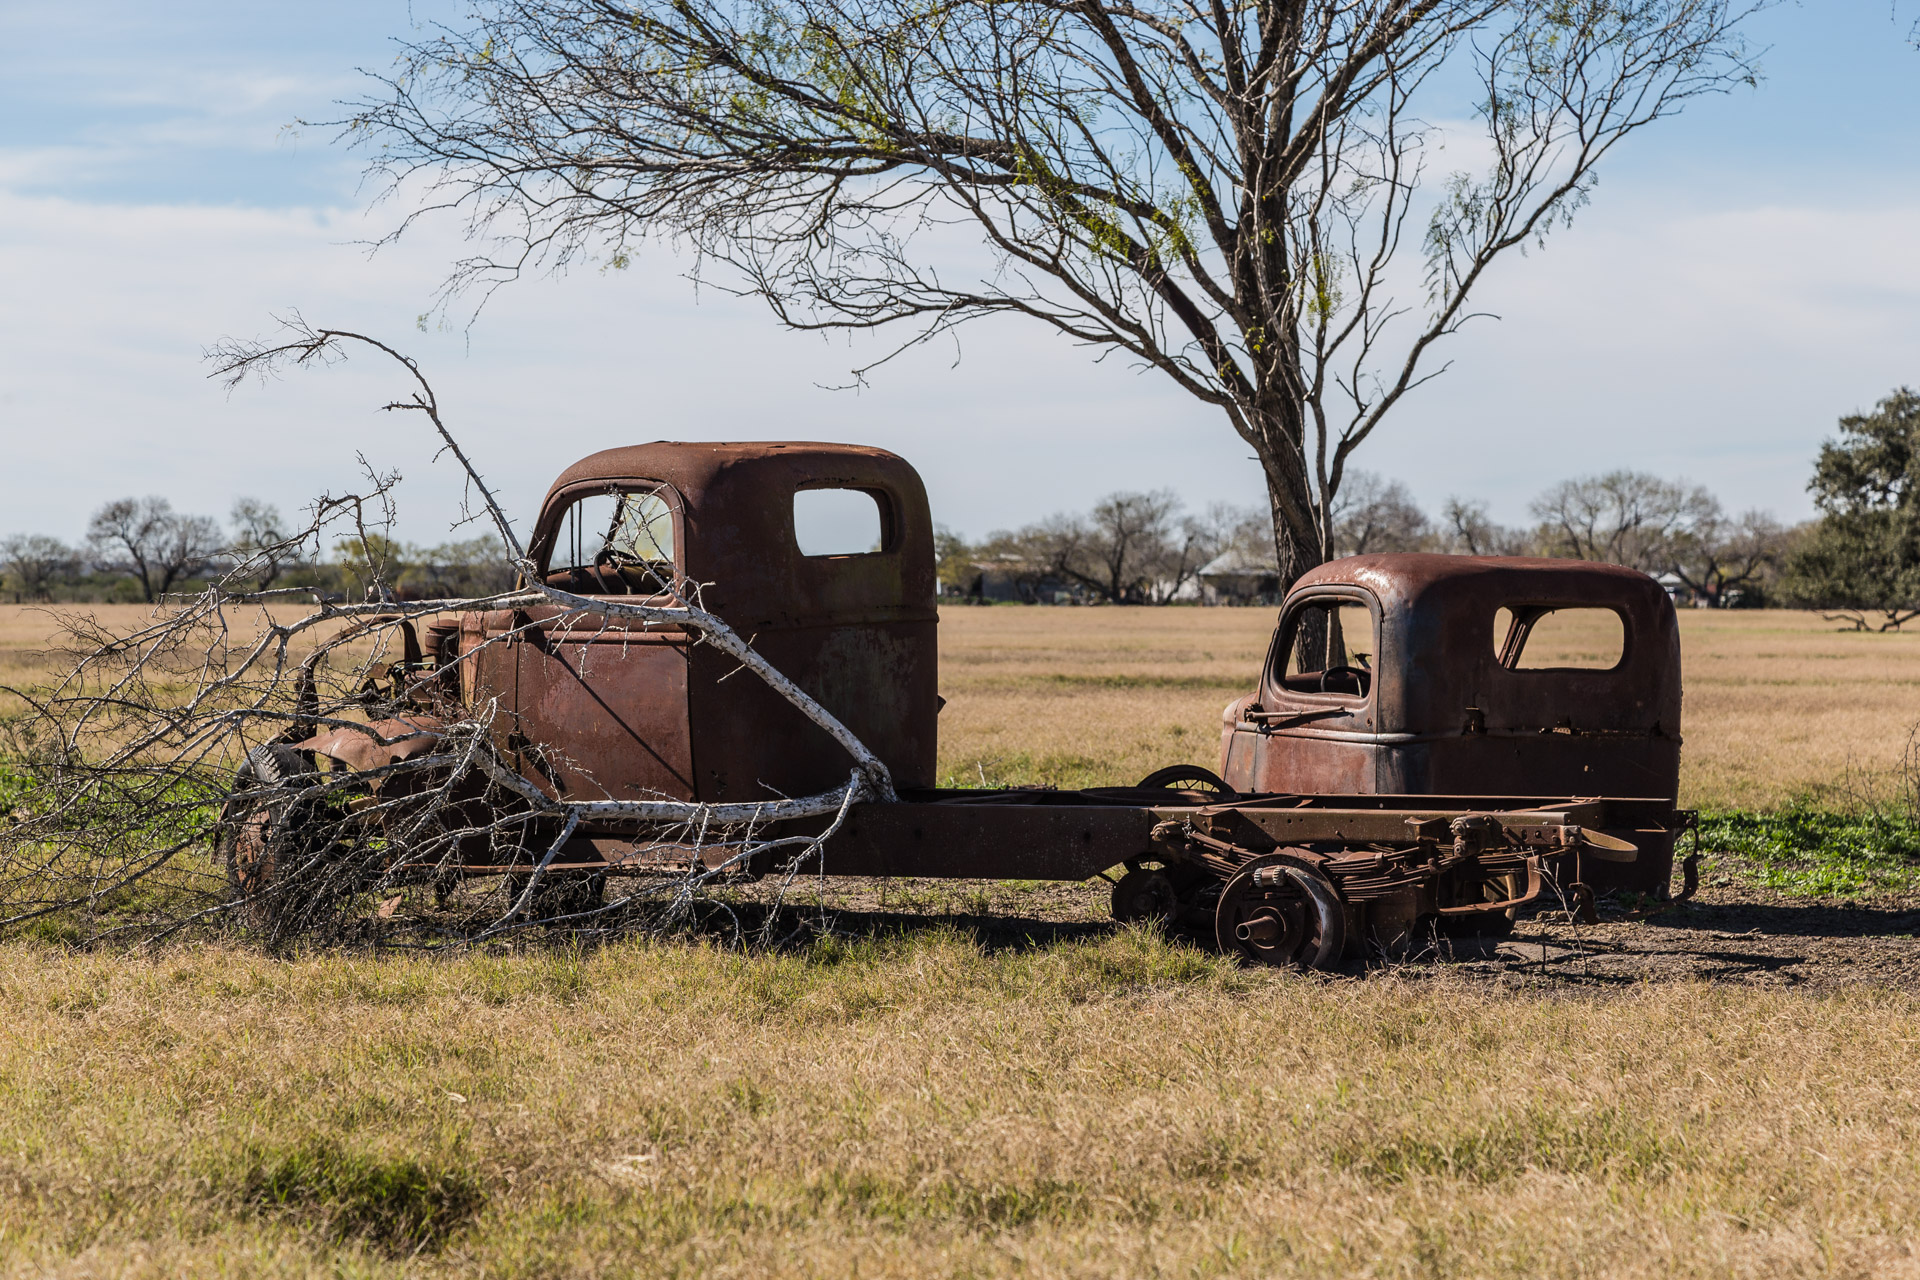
<point x="602" y="703"/>
<point x="1312" y="728"/>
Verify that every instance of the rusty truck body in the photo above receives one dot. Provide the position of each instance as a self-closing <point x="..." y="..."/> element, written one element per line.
<point x="1398" y="762"/>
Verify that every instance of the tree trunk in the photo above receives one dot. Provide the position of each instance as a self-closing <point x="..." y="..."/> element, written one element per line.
<point x="1297" y="542"/>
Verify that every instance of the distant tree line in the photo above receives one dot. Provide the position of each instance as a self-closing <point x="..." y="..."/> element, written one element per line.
<point x="1143" y="548"/>
<point x="140" y="549"/>
<point x="1858" y="561"/>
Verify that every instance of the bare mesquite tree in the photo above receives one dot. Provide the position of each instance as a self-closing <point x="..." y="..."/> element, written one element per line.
<point x="1722" y="557"/>
<point x="146" y="539"/>
<point x="1658" y="526"/>
<point x="1132" y="548"/>
<point x="172" y="777"/>
<point x="1139" y="548"/>
<point x="1374" y="514"/>
<point x="1623" y="517"/>
<point x="32" y="562"/>
<point x="260" y="537"/>
<point x="1237" y="195"/>
<point x="1471" y="530"/>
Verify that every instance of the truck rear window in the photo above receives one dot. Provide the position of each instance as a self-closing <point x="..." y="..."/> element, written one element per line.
<point x="1546" y="638"/>
<point x="837" y="522"/>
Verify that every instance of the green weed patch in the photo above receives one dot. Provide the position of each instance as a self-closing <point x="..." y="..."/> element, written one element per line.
<point x="400" y="1205"/>
<point x="16" y="789"/>
<point x="1809" y="849"/>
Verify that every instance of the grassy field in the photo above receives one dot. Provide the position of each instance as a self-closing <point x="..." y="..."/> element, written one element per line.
<point x="937" y="1101"/>
<point x="921" y="1107"/>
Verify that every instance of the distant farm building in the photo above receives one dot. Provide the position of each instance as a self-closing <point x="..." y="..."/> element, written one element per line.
<point x="1241" y="577"/>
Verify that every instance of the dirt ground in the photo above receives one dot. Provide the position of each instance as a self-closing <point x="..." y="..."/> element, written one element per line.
<point x="1730" y="932"/>
<point x="1741" y="935"/>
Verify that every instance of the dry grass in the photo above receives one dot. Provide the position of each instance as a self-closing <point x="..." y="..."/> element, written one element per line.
<point x="1078" y="697"/>
<point x="1778" y="701"/>
<point x="36" y="649"/>
<point x="926" y="1105"/>
<point x="916" y="1108"/>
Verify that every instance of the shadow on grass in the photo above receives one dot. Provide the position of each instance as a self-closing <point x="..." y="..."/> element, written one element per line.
<point x="401" y="1205"/>
<point x="796" y="928"/>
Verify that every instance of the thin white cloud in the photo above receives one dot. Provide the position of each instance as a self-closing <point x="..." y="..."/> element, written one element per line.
<point x="1718" y="346"/>
<point x="102" y="387"/>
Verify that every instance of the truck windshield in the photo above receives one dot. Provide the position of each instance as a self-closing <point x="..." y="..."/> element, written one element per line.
<point x="615" y="542"/>
<point x="1329" y="648"/>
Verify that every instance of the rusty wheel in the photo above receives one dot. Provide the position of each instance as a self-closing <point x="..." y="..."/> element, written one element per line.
<point x="1145" y="895"/>
<point x="1186" y="777"/>
<point x="261" y="825"/>
<point x="1279" y="909"/>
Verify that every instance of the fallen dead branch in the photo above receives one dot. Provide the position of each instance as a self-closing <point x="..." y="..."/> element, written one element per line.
<point x="186" y="774"/>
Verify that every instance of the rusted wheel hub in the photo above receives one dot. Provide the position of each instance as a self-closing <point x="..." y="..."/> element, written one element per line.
<point x="261" y="829"/>
<point x="248" y="848"/>
<point x="1145" y="895"/>
<point x="1279" y="909"/>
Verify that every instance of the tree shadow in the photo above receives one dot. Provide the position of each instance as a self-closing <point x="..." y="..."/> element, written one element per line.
<point x="1792" y="920"/>
<point x="793" y="926"/>
<point x="1572" y="961"/>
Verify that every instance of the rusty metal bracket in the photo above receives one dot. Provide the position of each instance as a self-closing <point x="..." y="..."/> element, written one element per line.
<point x="1536" y="883"/>
<point x="1689" y="869"/>
<point x="1474" y="832"/>
<point x="1600" y="845"/>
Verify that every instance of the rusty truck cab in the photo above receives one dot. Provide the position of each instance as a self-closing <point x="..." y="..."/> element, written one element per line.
<point x="1442" y="675"/>
<point x="603" y="710"/>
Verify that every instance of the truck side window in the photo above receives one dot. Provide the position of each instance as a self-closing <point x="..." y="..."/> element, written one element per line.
<point x="1330" y="648"/>
<point x="617" y="542"/>
<point x="1545" y="638"/>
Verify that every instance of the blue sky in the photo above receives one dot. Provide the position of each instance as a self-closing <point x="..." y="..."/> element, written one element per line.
<point x="1744" y="275"/>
